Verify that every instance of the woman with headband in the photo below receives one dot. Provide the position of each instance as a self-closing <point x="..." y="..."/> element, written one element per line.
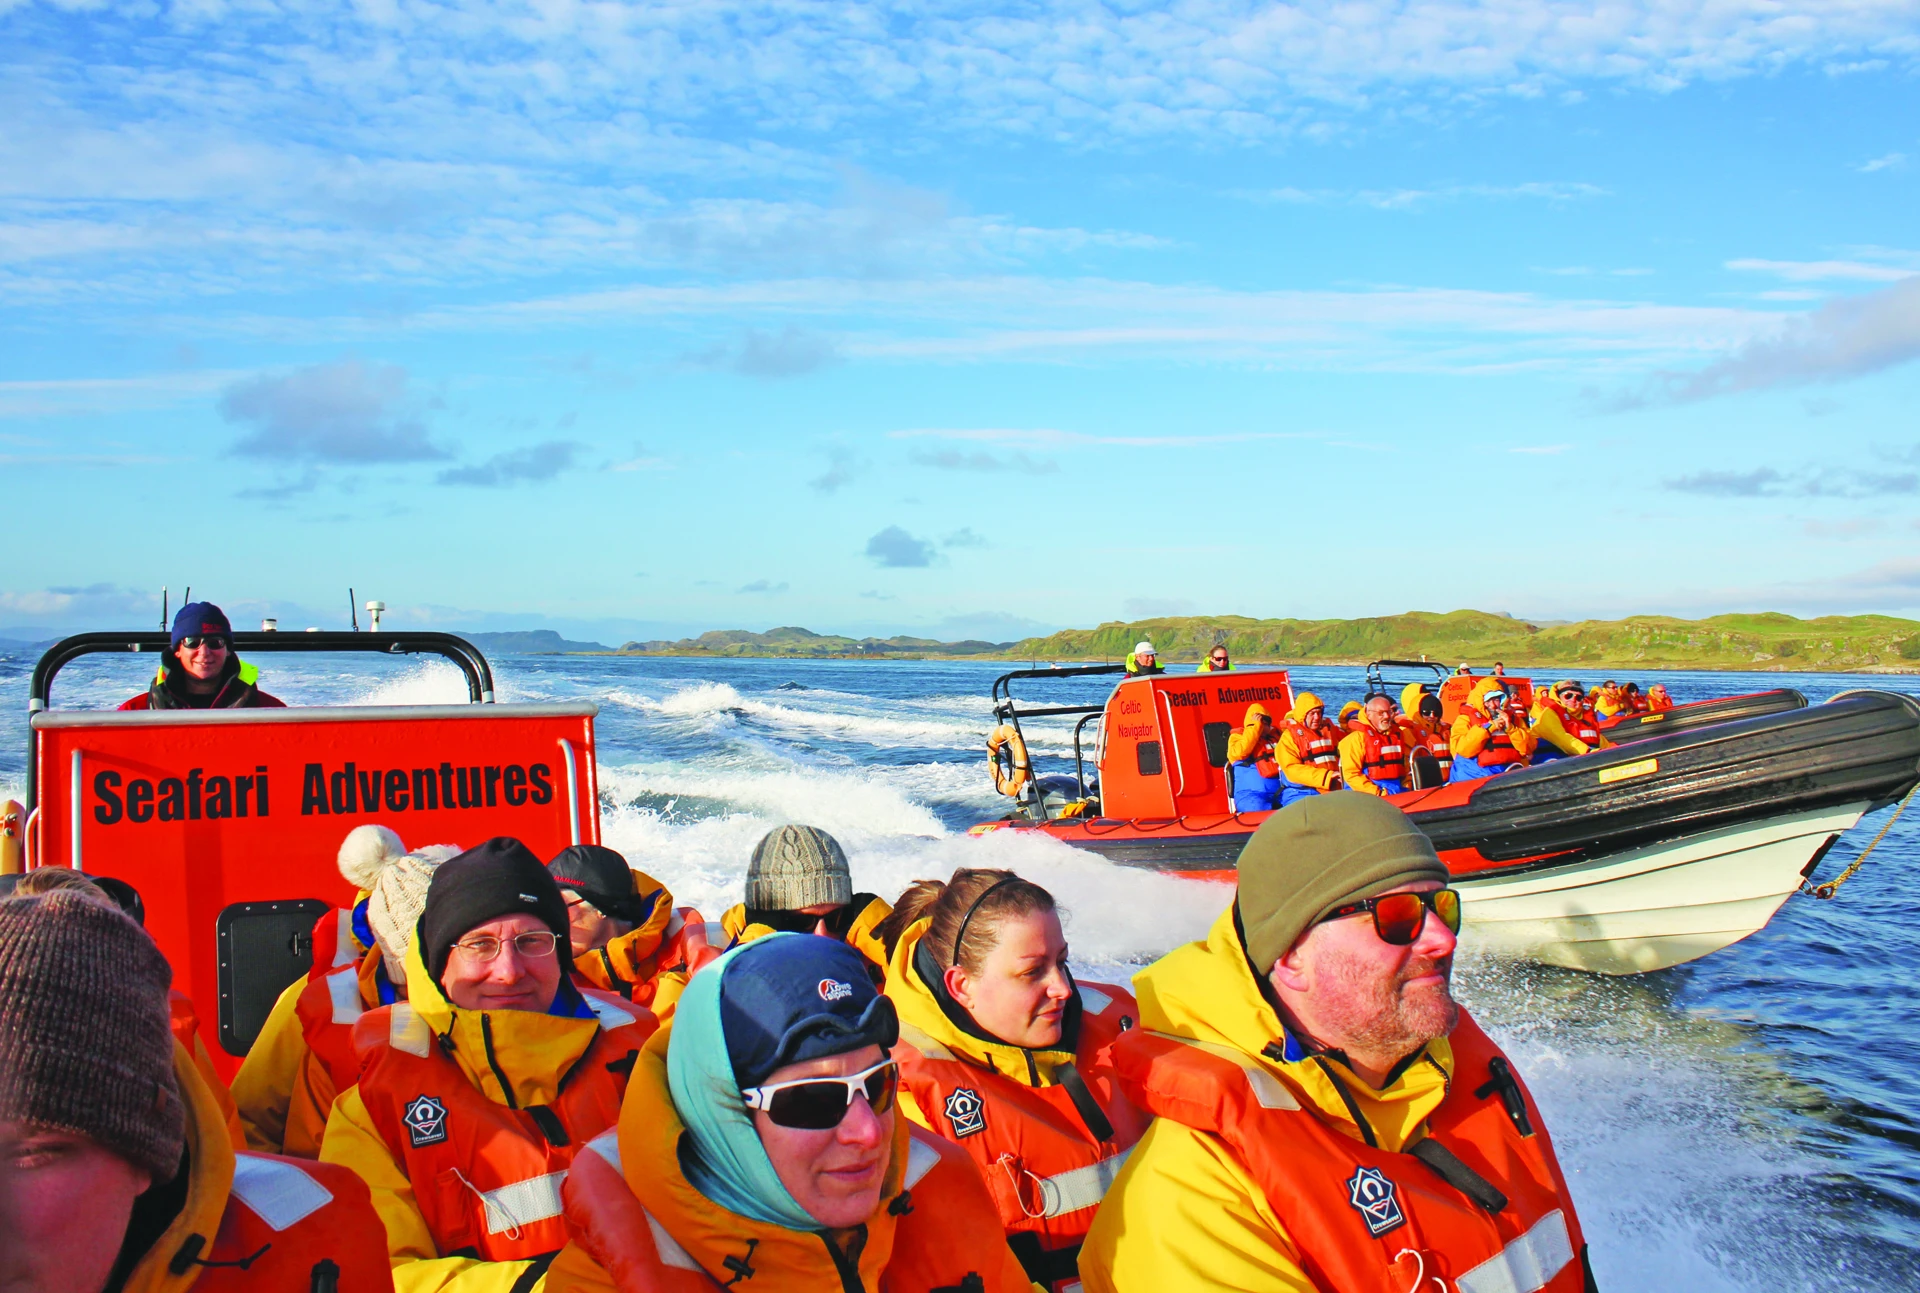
<point x="1002" y="1053"/>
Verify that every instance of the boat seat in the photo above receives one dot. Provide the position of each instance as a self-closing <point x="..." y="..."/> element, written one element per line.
<point x="1423" y="771"/>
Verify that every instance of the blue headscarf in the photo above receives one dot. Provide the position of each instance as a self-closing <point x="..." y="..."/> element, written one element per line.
<point x="728" y="1164"/>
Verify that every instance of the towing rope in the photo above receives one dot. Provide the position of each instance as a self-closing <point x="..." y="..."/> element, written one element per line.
<point x="1832" y="886"/>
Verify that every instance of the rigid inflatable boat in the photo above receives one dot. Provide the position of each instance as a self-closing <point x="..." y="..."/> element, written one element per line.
<point x="1620" y="861"/>
<point x="228" y="822"/>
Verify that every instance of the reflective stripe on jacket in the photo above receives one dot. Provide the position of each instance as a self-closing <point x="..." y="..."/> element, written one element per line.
<point x="252" y="1222"/>
<point x="637" y="1223"/>
<point x="1022" y="1116"/>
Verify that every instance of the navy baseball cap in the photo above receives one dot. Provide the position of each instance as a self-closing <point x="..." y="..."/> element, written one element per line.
<point x="199" y="617"/>
<point x="786" y="998"/>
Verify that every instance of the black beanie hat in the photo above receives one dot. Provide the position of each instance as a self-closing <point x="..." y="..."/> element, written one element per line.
<point x="603" y="878"/>
<point x="499" y="878"/>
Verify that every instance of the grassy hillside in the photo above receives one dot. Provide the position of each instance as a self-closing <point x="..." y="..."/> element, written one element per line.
<point x="1762" y="641"/>
<point x="804" y="642"/>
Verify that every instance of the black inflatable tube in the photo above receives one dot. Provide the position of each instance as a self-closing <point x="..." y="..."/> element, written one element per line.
<point x="1704" y="713"/>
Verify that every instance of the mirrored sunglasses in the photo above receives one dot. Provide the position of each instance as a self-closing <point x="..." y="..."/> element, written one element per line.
<point x="1398" y="918"/>
<point x="194" y="641"/>
<point x="817" y="1104"/>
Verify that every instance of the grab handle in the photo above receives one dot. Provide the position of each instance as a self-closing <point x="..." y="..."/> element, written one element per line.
<point x="573" y="791"/>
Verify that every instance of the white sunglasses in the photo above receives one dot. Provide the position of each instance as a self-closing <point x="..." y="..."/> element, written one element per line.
<point x="817" y="1103"/>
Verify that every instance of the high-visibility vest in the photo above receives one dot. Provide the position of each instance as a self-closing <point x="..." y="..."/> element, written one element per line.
<point x="1485" y="1208"/>
<point x="290" y="1224"/>
<point x="487" y="1177"/>
<point x="1046" y="1160"/>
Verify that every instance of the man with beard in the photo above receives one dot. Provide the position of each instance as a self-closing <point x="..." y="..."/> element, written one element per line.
<point x="1328" y="1118"/>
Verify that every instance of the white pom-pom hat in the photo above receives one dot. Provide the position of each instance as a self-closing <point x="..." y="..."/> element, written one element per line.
<point x="366" y="852"/>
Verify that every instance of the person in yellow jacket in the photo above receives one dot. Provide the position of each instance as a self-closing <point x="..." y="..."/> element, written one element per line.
<point x="799" y="882"/>
<point x="1328" y="1118"/>
<point x="1308" y="751"/>
<point x="1251" y="762"/>
<point x="1004" y="1053"/>
<point x="1561" y="724"/>
<point x="1217" y="661"/>
<point x="627" y="935"/>
<point x="1486" y="738"/>
<point x="1373" y="756"/>
<point x="116" y="1167"/>
<point x="477" y="1091"/>
<point x="274" y="1067"/>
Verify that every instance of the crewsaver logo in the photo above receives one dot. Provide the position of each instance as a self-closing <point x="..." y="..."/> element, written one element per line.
<point x="966" y="1113"/>
<point x="1373" y="1196"/>
<point x="426" y="1120"/>
<point x="834" y="990"/>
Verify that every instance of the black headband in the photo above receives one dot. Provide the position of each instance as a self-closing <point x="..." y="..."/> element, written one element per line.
<point x="968" y="918"/>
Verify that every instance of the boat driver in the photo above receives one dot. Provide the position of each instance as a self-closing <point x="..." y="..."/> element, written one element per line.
<point x="1217" y="661"/>
<point x="200" y="670"/>
<point x="1144" y="660"/>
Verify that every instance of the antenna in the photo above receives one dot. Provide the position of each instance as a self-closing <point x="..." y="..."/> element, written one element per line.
<point x="163" y="608"/>
<point x="187" y="596"/>
<point x="353" y="610"/>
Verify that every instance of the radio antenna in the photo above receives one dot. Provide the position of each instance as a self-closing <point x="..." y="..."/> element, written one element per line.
<point x="163" y="608"/>
<point x="353" y="610"/>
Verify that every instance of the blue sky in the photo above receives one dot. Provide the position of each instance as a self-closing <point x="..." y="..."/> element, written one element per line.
<point x="636" y="319"/>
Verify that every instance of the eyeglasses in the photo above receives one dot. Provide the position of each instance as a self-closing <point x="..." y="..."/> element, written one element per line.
<point x="533" y="945"/>
<point x="1398" y="918"/>
<point x="817" y="1104"/>
<point x="212" y="641"/>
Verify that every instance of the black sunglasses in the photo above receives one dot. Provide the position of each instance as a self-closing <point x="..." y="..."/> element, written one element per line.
<point x="1398" y="918"/>
<point x="818" y="1104"/>
<point x="194" y="640"/>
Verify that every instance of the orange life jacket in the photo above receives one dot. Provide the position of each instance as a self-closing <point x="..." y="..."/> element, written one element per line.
<point x="1319" y="745"/>
<point x="688" y="943"/>
<point x="1578" y="722"/>
<point x="1498" y="751"/>
<point x="1047" y="1160"/>
<point x="291" y="1224"/>
<point x="330" y="1004"/>
<point x="1417" y="732"/>
<point x="485" y="1176"/>
<point x="1368" y="1221"/>
<point x="942" y="1218"/>
<point x="1385" y="755"/>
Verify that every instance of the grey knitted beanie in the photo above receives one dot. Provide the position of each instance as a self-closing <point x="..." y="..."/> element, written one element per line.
<point x="795" y="867"/>
<point x="399" y="896"/>
<point x="84" y="1039"/>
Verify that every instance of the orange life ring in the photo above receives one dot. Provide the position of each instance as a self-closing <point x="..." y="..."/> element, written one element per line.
<point x="1007" y="756"/>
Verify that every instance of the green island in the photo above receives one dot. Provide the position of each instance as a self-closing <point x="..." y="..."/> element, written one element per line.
<point x="1764" y="641"/>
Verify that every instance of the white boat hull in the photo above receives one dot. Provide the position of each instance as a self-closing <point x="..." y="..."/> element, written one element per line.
<point x="1657" y="906"/>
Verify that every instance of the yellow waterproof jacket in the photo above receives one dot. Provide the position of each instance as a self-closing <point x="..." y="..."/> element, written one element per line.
<point x="1206" y="666"/>
<point x="1293" y="763"/>
<point x="860" y="935"/>
<point x="1469" y="737"/>
<point x="1249" y="743"/>
<point x="531" y="1052"/>
<point x="1184" y="1213"/>
<point x="263" y="1089"/>
<point x="209" y="1183"/>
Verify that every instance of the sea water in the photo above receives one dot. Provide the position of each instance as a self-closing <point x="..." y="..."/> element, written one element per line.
<point x="1748" y="1121"/>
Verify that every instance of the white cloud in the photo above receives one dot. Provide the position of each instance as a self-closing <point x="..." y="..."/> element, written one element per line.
<point x="1818" y="271"/>
<point x="1889" y="162"/>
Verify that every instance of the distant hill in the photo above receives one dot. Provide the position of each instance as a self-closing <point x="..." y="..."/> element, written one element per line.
<point x="532" y="642"/>
<point x="804" y="642"/>
<point x="1758" y="641"/>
